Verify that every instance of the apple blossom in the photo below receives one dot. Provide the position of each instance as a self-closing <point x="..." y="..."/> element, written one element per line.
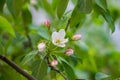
<point x="76" y="37"/>
<point x="58" y="38"/>
<point x="41" y="47"/>
<point x="69" y="52"/>
<point x="54" y="63"/>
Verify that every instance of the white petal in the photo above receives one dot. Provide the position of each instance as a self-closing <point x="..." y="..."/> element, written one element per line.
<point x="64" y="41"/>
<point x="55" y="36"/>
<point x="61" y="45"/>
<point x="61" y="33"/>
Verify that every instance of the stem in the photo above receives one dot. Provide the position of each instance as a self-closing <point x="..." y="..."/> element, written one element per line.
<point x="27" y="32"/>
<point x="54" y="68"/>
<point x="67" y="25"/>
<point x="17" y="68"/>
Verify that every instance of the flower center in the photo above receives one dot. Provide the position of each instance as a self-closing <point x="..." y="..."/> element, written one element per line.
<point x="58" y="41"/>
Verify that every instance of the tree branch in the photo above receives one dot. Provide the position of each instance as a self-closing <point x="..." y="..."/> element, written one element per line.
<point x="17" y="68"/>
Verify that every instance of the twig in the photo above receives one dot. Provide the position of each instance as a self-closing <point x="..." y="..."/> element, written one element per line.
<point x="67" y="25"/>
<point x="54" y="68"/>
<point x="17" y="68"/>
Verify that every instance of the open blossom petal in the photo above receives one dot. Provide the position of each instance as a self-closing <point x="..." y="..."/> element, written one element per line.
<point x="62" y="33"/>
<point x="58" y="38"/>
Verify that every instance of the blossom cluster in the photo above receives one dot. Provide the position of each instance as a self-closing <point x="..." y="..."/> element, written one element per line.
<point x="58" y="39"/>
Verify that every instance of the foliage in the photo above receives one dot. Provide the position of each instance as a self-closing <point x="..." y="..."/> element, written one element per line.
<point x="95" y="56"/>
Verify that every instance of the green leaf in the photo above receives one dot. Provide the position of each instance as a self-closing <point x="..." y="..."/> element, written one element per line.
<point x="47" y="6"/>
<point x="78" y="14"/>
<point x="84" y="6"/>
<point x="54" y="4"/>
<point x="41" y="30"/>
<point x="68" y="70"/>
<point x="5" y="26"/>
<point x="29" y="56"/>
<point x="102" y="4"/>
<point x="61" y="7"/>
<point x="76" y="18"/>
<point x="2" y="2"/>
<point x="109" y="20"/>
<point x="14" y="6"/>
<point x="27" y="17"/>
<point x="39" y="68"/>
<point x="102" y="9"/>
<point x="107" y="16"/>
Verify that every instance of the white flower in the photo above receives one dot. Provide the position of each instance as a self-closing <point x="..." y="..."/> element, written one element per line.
<point x="41" y="47"/>
<point x="58" y="38"/>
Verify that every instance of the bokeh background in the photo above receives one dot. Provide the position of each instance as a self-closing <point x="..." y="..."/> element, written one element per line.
<point x="98" y="50"/>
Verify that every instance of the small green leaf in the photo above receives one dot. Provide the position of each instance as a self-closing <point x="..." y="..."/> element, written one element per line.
<point x="61" y="7"/>
<point x="29" y="56"/>
<point x="39" y="68"/>
<point x="68" y="70"/>
<point x="5" y="26"/>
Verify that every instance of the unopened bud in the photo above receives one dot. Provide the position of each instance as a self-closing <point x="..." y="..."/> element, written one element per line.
<point x="54" y="63"/>
<point x="69" y="52"/>
<point x="41" y="47"/>
<point x="47" y="23"/>
<point x="76" y="37"/>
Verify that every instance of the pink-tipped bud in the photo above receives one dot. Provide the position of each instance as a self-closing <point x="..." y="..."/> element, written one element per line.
<point x="69" y="52"/>
<point x="41" y="47"/>
<point x="54" y="63"/>
<point x="76" y="37"/>
<point x="47" y="23"/>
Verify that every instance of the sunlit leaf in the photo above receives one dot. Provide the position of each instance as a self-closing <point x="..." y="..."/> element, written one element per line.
<point x="61" y="7"/>
<point x="5" y="26"/>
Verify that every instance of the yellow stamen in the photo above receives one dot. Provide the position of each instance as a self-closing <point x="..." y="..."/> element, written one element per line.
<point x="58" y="41"/>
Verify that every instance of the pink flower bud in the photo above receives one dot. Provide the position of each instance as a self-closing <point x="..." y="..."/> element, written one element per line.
<point x="54" y="63"/>
<point x="47" y="23"/>
<point x="76" y="37"/>
<point x="69" y="52"/>
<point x="41" y="47"/>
